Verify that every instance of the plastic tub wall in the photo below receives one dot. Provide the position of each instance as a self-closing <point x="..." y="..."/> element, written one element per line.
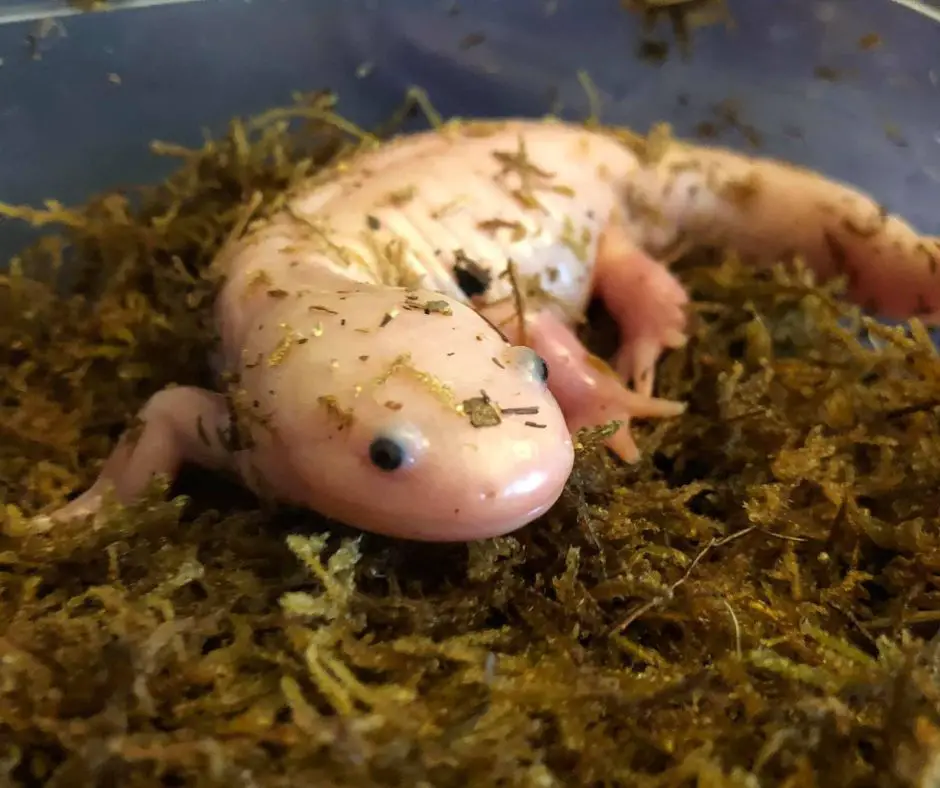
<point x="78" y="120"/>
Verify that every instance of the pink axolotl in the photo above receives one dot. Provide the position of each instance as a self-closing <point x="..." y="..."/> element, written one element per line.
<point x="380" y="370"/>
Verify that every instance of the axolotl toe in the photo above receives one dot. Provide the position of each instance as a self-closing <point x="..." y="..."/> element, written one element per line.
<point x="398" y="346"/>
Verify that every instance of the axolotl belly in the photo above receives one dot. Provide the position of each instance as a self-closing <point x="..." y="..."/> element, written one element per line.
<point x="398" y="342"/>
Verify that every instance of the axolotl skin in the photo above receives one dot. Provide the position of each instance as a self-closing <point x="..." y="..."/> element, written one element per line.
<point x="398" y="339"/>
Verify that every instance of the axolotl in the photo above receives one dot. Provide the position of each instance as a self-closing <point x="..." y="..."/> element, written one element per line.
<point x="399" y="338"/>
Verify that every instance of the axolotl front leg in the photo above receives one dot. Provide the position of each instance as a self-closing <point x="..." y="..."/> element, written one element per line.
<point x="177" y="426"/>
<point x="589" y="392"/>
<point x="648" y="303"/>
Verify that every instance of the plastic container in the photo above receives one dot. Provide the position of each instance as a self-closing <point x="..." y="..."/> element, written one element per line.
<point x="802" y="76"/>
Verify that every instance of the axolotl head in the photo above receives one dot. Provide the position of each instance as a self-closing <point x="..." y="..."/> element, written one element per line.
<point x="406" y="413"/>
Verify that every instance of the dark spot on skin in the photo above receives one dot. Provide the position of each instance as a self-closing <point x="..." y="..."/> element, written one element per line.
<point x="363" y="358"/>
<point x="537" y="426"/>
<point x="496" y="361"/>
<point x="386" y="454"/>
<point x="373" y="222"/>
<point x="342" y="322"/>
<point x="472" y="278"/>
<point x="451" y="353"/>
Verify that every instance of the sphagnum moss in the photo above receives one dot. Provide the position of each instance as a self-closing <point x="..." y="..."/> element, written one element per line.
<point x="755" y="603"/>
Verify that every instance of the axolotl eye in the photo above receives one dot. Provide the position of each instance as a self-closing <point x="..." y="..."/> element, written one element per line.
<point x="396" y="448"/>
<point x="387" y="454"/>
<point x="530" y="362"/>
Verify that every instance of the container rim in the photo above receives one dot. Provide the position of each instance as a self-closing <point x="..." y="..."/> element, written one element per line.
<point x="41" y="10"/>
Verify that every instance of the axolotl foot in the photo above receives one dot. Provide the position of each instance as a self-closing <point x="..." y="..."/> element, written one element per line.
<point x="645" y="300"/>
<point x="177" y="425"/>
<point x="588" y="391"/>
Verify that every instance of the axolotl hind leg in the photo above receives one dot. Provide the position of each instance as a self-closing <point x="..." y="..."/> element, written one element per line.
<point x="587" y="390"/>
<point x="176" y="426"/>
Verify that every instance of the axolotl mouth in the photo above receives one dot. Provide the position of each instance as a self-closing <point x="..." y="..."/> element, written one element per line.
<point x="482" y="484"/>
<point x="447" y="433"/>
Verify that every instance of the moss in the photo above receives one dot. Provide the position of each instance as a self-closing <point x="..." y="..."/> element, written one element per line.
<point x="754" y="603"/>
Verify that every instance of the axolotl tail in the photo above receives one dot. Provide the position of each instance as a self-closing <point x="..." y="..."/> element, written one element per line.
<point x="774" y="210"/>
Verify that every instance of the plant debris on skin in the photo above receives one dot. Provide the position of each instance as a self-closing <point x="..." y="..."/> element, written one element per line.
<point x="754" y="603"/>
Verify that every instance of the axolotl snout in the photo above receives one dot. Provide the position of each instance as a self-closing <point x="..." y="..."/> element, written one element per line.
<point x="398" y="346"/>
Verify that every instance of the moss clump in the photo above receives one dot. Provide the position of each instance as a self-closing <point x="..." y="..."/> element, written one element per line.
<point x="753" y="604"/>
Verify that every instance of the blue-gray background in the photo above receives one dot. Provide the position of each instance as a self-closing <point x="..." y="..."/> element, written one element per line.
<point x="67" y="130"/>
